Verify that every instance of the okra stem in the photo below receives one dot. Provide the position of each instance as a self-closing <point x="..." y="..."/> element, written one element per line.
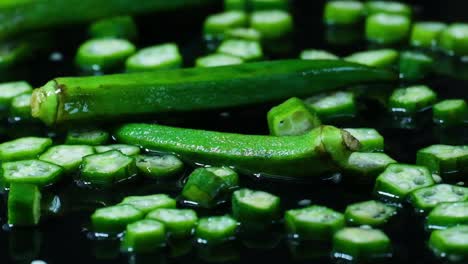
<point x="96" y="97"/>
<point x="321" y="150"/>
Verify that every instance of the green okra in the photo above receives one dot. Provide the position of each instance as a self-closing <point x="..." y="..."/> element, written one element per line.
<point x="451" y="243"/>
<point x="322" y="149"/>
<point x="24" y="204"/>
<point x="44" y="14"/>
<point x="446" y="215"/>
<point x="93" y="97"/>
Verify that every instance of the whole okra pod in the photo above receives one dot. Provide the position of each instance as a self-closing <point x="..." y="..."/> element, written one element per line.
<point x="323" y="149"/>
<point x="122" y="95"/>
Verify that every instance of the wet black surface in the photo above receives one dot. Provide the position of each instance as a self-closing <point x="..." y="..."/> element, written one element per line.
<point x="62" y="237"/>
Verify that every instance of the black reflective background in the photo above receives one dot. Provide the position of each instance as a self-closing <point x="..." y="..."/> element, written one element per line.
<point x="62" y="236"/>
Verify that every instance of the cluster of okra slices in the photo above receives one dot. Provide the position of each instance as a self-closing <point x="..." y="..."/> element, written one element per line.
<point x="242" y="33"/>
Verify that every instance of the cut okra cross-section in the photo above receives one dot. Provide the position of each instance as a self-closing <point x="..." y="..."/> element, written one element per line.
<point x="454" y="39"/>
<point x="205" y="185"/>
<point x="150" y="203"/>
<point x="245" y="49"/>
<point x="450" y="112"/>
<point x="387" y="29"/>
<point x="343" y="12"/>
<point x="447" y="215"/>
<point x="10" y="90"/>
<point x="159" y="166"/>
<point x="366" y="166"/>
<point x="412" y="99"/>
<point x="313" y="54"/>
<point x="144" y="236"/>
<point x="451" y="243"/>
<point x="370" y="213"/>
<point x="128" y="150"/>
<point x="23" y="148"/>
<point x="398" y="180"/>
<point x="255" y="207"/>
<point x="165" y="56"/>
<point x="387" y="7"/>
<point x="106" y="168"/>
<point x="339" y="104"/>
<point x="103" y="54"/>
<point x="216" y="229"/>
<point x="446" y="161"/>
<point x="375" y="58"/>
<point x="426" y="34"/>
<point x="371" y="140"/>
<point x="216" y="60"/>
<point x="425" y="199"/>
<point x="315" y="222"/>
<point x="87" y="136"/>
<point x="217" y="24"/>
<point x="354" y="243"/>
<point x="243" y="33"/>
<point x="36" y="172"/>
<point x="291" y="118"/>
<point x="21" y="106"/>
<point x="272" y="24"/>
<point x="114" y="219"/>
<point x="178" y="222"/>
<point x="415" y="65"/>
<point x="67" y="156"/>
<point x="24" y="205"/>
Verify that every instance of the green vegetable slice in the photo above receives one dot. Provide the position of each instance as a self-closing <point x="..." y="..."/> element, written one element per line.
<point x="24" y="205"/>
<point x="412" y="99"/>
<point x="370" y="213"/>
<point x="21" y="106"/>
<point x="178" y="222"/>
<point x="454" y="39"/>
<point x="387" y="29"/>
<point x="144" y="236"/>
<point x="446" y="215"/>
<point x="67" y="156"/>
<point x="375" y="58"/>
<point x="247" y="50"/>
<point x="343" y="12"/>
<point x="415" y="65"/>
<point x="87" y="136"/>
<point x="255" y="207"/>
<point x="371" y="140"/>
<point x="23" y="148"/>
<point x="216" y="229"/>
<point x="451" y="243"/>
<point x="425" y="34"/>
<point x="425" y="199"/>
<point x="243" y="33"/>
<point x="272" y="24"/>
<point x="159" y="166"/>
<point x="217" y="24"/>
<point x="114" y="219"/>
<point x="215" y="60"/>
<point x="314" y="222"/>
<point x="164" y="56"/>
<point x="128" y="150"/>
<point x="450" y="112"/>
<point x="445" y="160"/>
<point x="36" y="172"/>
<point x="10" y="90"/>
<point x="150" y="203"/>
<point x="367" y="166"/>
<point x="314" y="54"/>
<point x="335" y="105"/>
<point x="388" y="7"/>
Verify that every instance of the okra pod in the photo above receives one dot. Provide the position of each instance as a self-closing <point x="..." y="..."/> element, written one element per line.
<point x="321" y="150"/>
<point x="42" y="14"/>
<point x="95" y="97"/>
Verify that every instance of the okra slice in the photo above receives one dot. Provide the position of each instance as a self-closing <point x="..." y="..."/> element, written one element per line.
<point x="343" y="12"/>
<point x="103" y="54"/>
<point x="255" y="207"/>
<point x="425" y="34"/>
<point x="128" y="150"/>
<point x="36" y="172"/>
<point x="446" y="215"/>
<point x="371" y="140"/>
<point x="217" y="24"/>
<point x="454" y="39"/>
<point x="114" y="219"/>
<point x="398" y="180"/>
<point x="10" y="90"/>
<point x="243" y="33"/>
<point x="361" y="243"/>
<point x="415" y="65"/>
<point x="450" y="112"/>
<point x="205" y="185"/>
<point x="313" y="222"/>
<point x="106" y="168"/>
<point x="144" y="236"/>
<point x="122" y="27"/>
<point x="178" y="222"/>
<point x="444" y="160"/>
<point x="216" y="229"/>
<point x="314" y="54"/>
<point x="67" y="156"/>
<point x="24" y="205"/>
<point x="87" y="136"/>
<point x="215" y="60"/>
<point x="375" y="58"/>
<point x="150" y="203"/>
<point x="387" y="7"/>
<point x="245" y="49"/>
<point x="339" y="104"/>
<point x="164" y="56"/>
<point x="269" y="4"/>
<point x="368" y="165"/>
<point x="159" y="166"/>
<point x="425" y="199"/>
<point x="370" y="213"/>
<point x="451" y="243"/>
<point x="291" y="118"/>
<point x="412" y="99"/>
<point x="387" y="29"/>
<point x="272" y="24"/>
<point x="21" y="106"/>
<point x="23" y="148"/>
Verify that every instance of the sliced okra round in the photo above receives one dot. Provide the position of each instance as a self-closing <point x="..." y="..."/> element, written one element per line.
<point x="150" y="203"/>
<point x="23" y="148"/>
<point x="425" y="199"/>
<point x="36" y="172"/>
<point x="178" y="222"/>
<point x="128" y="150"/>
<point x="446" y="215"/>
<point x="24" y="204"/>
<point x="67" y="156"/>
<point x="144" y="236"/>
<point x="114" y="219"/>
<point x="371" y="213"/>
<point x="159" y="166"/>
<point x="216" y="229"/>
